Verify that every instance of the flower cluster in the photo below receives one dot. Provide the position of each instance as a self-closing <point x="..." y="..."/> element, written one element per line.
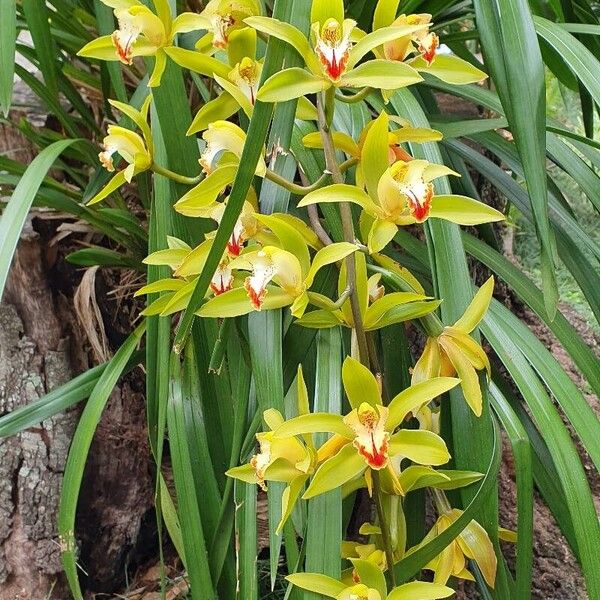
<point x="389" y="447"/>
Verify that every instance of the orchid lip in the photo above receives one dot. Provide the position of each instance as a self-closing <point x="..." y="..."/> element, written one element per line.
<point x="123" y="39"/>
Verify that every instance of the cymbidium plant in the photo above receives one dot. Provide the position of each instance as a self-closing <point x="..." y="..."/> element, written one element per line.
<point x="383" y="445"/>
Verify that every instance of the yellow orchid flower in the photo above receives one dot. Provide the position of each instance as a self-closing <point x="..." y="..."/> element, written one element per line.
<point x="400" y="194"/>
<point x="374" y="587"/>
<point x="473" y="543"/>
<point x="141" y="32"/>
<point x="287" y="460"/>
<point x="422" y="41"/>
<point x="360" y="152"/>
<point x="136" y="150"/>
<point x="331" y="56"/>
<point x="419" y="46"/>
<point x="225" y="138"/>
<point x="377" y="308"/>
<point x="277" y="459"/>
<point x="365" y="439"/>
<point x="186" y="264"/>
<point x="222" y="17"/>
<point x="277" y="278"/>
<point x="454" y="351"/>
<point x="332" y="45"/>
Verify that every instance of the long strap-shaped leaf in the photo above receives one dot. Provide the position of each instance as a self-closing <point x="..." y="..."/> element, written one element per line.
<point x="265" y="329"/>
<point x="513" y="55"/>
<point x="324" y="525"/>
<point x="78" y="453"/>
<point x="188" y="501"/>
<point x="255" y="140"/>
<point x="521" y="448"/>
<point x="8" y="38"/>
<point x="15" y="214"/>
<point x="568" y="465"/>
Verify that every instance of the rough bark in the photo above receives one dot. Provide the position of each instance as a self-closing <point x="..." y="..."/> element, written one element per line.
<point x="34" y="359"/>
<point x="40" y="349"/>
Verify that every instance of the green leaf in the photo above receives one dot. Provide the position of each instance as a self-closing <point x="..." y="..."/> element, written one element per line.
<point x="14" y="215"/>
<point x="580" y="60"/>
<point x="521" y="449"/>
<point x="381" y="74"/>
<point x="245" y="520"/>
<point x="566" y="460"/>
<point x="188" y="503"/>
<point x="80" y="445"/>
<point x="38" y="18"/>
<point x="324" y="522"/>
<point x="511" y="48"/>
<point x="8" y="37"/>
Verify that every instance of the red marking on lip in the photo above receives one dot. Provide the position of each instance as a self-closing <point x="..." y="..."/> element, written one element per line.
<point x="376" y="458"/>
<point x="420" y="210"/>
<point x="256" y="298"/>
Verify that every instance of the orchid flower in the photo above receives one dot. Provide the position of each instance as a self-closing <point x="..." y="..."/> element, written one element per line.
<point x="136" y="150"/>
<point x="277" y="278"/>
<point x="396" y="137"/>
<point x="221" y="18"/>
<point x="473" y="543"/>
<point x="186" y="263"/>
<point x="374" y="588"/>
<point x="240" y="84"/>
<point x="141" y="32"/>
<point x="454" y="351"/>
<point x="288" y="460"/>
<point x="365" y="438"/>
<point x="400" y="194"/>
<point x="419" y="47"/>
<point x="331" y="56"/>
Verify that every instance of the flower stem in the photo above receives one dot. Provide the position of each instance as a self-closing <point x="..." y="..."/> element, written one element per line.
<point x="352" y="98"/>
<point x="348" y="228"/>
<point x="176" y="176"/>
<point x="294" y="188"/>
<point x="383" y="525"/>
